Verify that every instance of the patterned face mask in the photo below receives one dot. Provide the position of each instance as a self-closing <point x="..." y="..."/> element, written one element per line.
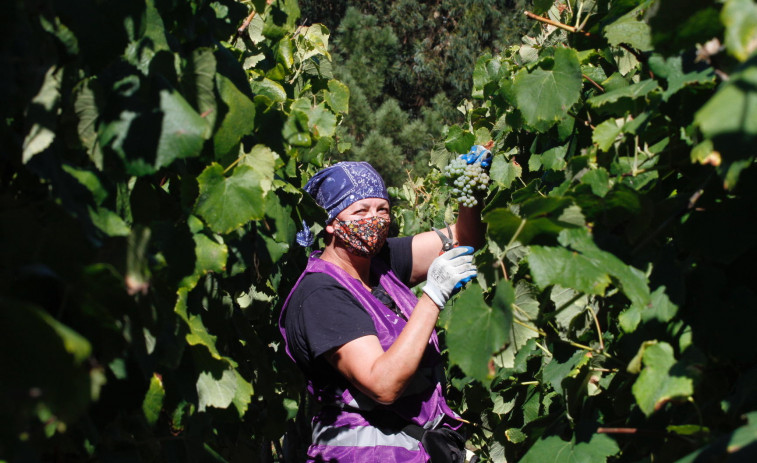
<point x="363" y="237"/>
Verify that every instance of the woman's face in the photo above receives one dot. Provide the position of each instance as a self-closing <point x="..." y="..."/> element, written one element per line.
<point x="361" y="209"/>
<point x="364" y="208"/>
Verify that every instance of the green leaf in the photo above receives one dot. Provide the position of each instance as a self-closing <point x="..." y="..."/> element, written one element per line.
<point x="42" y="114"/>
<point x="295" y="130"/>
<point x="238" y="120"/>
<point x="598" y="180"/>
<point x="737" y="446"/>
<point x="475" y="331"/>
<point x="215" y="391"/>
<point x="198" y="83"/>
<point x="740" y="20"/>
<point x="671" y="69"/>
<point x="263" y="161"/>
<point x="633" y="92"/>
<point x="504" y="172"/>
<point x="338" y="97"/>
<point x="555" y="450"/>
<point x="541" y="216"/>
<point x="657" y="308"/>
<point x="49" y="358"/>
<point x="87" y="113"/>
<point x="315" y="41"/>
<point x="183" y="131"/>
<point x="321" y="120"/>
<point x="606" y="133"/>
<point x="198" y="333"/>
<point x="485" y="76"/>
<point x="284" y="52"/>
<point x="227" y="203"/>
<point x="662" y="379"/>
<point x="629" y="30"/>
<point x="243" y="395"/>
<point x="153" y="401"/>
<point x="555" y="372"/>
<point x="109" y="222"/>
<point x="546" y="94"/>
<point x="269" y="88"/>
<point x="458" y="140"/>
<point x="560" y="266"/>
<point x="729" y="119"/>
<point x="632" y="281"/>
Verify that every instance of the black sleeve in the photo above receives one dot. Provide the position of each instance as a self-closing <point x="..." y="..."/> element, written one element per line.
<point x="322" y="315"/>
<point x="398" y="253"/>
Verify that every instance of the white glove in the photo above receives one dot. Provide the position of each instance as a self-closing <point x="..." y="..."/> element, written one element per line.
<point x="448" y="273"/>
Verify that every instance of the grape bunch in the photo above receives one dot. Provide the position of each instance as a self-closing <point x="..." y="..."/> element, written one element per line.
<point x="466" y="179"/>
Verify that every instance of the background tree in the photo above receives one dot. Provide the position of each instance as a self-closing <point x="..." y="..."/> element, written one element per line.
<point x="418" y="54"/>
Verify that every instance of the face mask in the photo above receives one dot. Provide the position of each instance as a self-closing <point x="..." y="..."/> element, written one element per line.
<point x="363" y="237"/>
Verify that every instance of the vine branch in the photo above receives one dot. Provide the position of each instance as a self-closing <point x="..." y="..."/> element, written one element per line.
<point x="557" y="24"/>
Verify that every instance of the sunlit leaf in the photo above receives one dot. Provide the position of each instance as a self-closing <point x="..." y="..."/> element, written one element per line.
<point x="153" y="401"/>
<point x="470" y="314"/>
<point x="338" y="96"/>
<point x="729" y="119"/>
<point x="42" y="113"/>
<point x="740" y="20"/>
<point x="546" y="94"/>
<point x="662" y="379"/>
<point x="226" y="203"/>
<point x="214" y="390"/>
<point x="629" y="30"/>
<point x="553" y="449"/>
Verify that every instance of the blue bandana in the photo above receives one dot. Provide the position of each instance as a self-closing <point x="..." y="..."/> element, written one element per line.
<point x="336" y="187"/>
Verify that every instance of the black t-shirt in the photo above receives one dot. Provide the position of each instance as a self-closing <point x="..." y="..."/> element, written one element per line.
<point x="323" y="315"/>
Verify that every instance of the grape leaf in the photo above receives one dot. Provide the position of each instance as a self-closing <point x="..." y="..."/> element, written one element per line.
<point x="153" y="401"/>
<point x="729" y="119"/>
<point x="662" y="379"/>
<point x="632" y="91"/>
<point x="226" y="203"/>
<point x="338" y="97"/>
<point x="503" y="172"/>
<point x="475" y="330"/>
<point x="629" y="30"/>
<point x="242" y="394"/>
<point x="546" y="94"/>
<point x="555" y="450"/>
<point x="738" y="446"/>
<point x="598" y="180"/>
<point x="238" y="120"/>
<point x="606" y="134"/>
<point x="671" y="69"/>
<point x="42" y="113"/>
<point x="183" y="131"/>
<point x="740" y="20"/>
<point x="268" y="88"/>
<point x="216" y="392"/>
<point x="458" y="140"/>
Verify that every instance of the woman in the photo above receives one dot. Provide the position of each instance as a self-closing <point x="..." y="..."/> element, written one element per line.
<point x="364" y="341"/>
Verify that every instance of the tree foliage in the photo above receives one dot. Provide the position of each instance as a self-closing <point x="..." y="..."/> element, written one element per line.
<point x="149" y="182"/>
<point x="420" y="56"/>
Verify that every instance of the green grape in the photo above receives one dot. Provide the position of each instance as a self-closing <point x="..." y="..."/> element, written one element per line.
<point x="466" y="180"/>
